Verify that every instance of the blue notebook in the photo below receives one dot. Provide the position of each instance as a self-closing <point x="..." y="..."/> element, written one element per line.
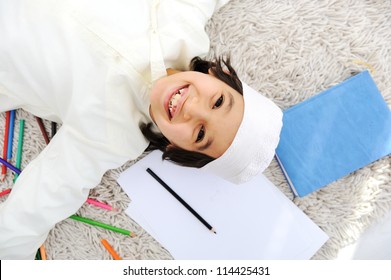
<point x="334" y="133"/>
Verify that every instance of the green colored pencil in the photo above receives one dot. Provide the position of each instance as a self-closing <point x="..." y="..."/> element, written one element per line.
<point x="38" y="256"/>
<point x="20" y="146"/>
<point x="102" y="225"/>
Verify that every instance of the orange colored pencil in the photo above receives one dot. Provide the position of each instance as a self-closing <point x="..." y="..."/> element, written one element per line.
<point x="110" y="249"/>
<point x="5" y="147"/>
<point x="43" y="252"/>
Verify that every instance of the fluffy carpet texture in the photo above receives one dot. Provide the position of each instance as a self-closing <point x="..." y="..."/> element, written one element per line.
<point x="289" y="51"/>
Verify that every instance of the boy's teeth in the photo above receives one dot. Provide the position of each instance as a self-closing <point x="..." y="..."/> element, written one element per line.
<point x="173" y="102"/>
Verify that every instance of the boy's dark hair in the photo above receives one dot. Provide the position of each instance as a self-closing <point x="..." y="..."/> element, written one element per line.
<point x="178" y="155"/>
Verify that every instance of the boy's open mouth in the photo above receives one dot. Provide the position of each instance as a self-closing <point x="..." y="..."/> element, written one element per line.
<point x="173" y="103"/>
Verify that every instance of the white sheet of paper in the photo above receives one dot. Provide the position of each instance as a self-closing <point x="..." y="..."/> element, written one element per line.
<point x="253" y="220"/>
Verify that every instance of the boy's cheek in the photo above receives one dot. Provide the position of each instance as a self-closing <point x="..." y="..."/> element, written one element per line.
<point x="176" y="134"/>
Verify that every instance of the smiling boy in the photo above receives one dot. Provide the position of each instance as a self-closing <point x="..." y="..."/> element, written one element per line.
<point x="205" y="115"/>
<point x="100" y="69"/>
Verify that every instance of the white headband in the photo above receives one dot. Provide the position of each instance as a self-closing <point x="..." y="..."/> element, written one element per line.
<point x="254" y="145"/>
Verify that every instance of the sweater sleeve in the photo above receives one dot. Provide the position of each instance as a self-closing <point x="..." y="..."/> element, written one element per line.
<point x="51" y="188"/>
<point x="55" y="184"/>
<point x="181" y="30"/>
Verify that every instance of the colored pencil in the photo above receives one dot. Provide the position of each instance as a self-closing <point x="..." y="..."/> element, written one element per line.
<point x="184" y="203"/>
<point x="102" y="225"/>
<point x="5" y="192"/>
<point x="110" y="249"/>
<point x="5" y="147"/>
<point x="42" y="251"/>
<point x="54" y="128"/>
<point x="42" y="128"/>
<point x="38" y="255"/>
<point x="11" y="134"/>
<point x="100" y="204"/>
<point x="20" y="147"/>
<point x="10" y="166"/>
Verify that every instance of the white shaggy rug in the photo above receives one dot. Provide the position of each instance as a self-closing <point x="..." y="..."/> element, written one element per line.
<point x="289" y="50"/>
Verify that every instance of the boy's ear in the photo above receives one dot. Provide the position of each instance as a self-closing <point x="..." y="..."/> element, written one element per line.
<point x="211" y="72"/>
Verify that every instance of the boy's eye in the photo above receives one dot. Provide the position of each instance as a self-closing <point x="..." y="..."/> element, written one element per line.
<point x="201" y="134"/>
<point x="219" y="102"/>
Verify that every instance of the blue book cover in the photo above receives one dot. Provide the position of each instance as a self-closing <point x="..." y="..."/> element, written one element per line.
<point x="334" y="133"/>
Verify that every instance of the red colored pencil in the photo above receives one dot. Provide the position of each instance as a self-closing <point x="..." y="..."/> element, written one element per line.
<point x="5" y="192"/>
<point x="5" y="147"/>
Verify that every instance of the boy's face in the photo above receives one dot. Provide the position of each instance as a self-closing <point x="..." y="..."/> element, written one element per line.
<point x="196" y="111"/>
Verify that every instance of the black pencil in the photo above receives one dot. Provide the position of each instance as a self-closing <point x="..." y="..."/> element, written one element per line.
<point x="184" y="203"/>
<point x="54" y="128"/>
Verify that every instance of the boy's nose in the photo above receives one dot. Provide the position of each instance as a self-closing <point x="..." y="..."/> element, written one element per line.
<point x="194" y="109"/>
